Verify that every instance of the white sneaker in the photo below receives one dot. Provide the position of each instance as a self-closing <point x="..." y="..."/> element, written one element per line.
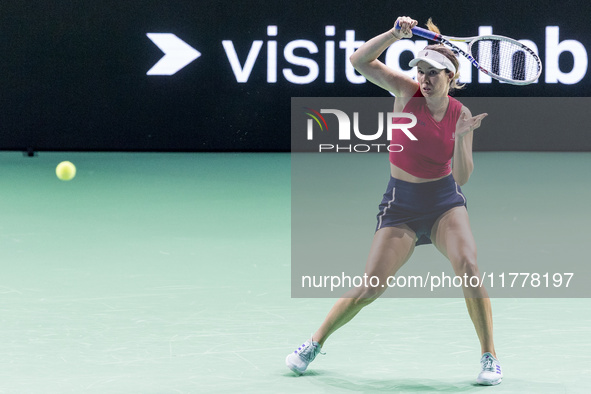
<point x="491" y="374"/>
<point x="298" y="360"/>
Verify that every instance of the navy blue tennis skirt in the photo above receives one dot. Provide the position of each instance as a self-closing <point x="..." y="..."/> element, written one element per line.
<point x="418" y="205"/>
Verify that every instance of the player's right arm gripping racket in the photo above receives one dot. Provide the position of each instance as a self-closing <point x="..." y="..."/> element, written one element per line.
<point x="500" y="57"/>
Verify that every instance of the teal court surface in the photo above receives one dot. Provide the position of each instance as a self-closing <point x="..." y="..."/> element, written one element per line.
<point x="170" y="273"/>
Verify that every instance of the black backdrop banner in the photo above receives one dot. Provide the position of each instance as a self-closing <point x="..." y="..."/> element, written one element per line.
<point x="219" y="75"/>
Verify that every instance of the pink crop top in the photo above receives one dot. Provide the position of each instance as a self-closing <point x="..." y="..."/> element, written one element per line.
<point x="430" y="155"/>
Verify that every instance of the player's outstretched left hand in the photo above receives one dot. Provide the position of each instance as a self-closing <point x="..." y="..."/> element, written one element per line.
<point x="467" y="124"/>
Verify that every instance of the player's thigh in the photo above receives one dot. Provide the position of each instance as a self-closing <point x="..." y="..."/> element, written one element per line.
<point x="452" y="235"/>
<point x="390" y="249"/>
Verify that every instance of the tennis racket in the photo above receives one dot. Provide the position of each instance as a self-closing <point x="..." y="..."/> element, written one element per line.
<point x="502" y="58"/>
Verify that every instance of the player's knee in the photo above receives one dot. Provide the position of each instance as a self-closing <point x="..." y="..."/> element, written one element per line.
<point x="367" y="295"/>
<point x="466" y="264"/>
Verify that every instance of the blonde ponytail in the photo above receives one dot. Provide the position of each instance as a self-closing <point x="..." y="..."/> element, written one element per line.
<point x="432" y="26"/>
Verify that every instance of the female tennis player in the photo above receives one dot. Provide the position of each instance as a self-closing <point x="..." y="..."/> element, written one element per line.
<point x="423" y="202"/>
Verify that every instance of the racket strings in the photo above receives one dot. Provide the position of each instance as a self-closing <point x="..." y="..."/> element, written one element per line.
<point x="506" y="59"/>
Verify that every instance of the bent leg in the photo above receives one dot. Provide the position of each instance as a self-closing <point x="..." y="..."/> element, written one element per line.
<point x="453" y="237"/>
<point x="390" y="249"/>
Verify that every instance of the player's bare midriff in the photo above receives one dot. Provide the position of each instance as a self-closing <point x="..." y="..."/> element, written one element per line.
<point x="399" y="173"/>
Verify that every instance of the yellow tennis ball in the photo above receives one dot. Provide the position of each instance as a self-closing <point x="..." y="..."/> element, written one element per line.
<point x="65" y="171"/>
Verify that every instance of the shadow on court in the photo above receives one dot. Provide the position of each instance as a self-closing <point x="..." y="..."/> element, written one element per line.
<point x="334" y="381"/>
<point x="354" y="383"/>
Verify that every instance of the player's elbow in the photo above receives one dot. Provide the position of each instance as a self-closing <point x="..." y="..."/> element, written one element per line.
<point x="462" y="176"/>
<point x="359" y="60"/>
<point x="354" y="59"/>
<point x="462" y="181"/>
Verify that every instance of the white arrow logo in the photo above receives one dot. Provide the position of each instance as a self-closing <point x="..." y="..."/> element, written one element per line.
<point x="177" y="53"/>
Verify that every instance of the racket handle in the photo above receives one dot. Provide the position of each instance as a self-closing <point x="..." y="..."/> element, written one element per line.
<point x="418" y="31"/>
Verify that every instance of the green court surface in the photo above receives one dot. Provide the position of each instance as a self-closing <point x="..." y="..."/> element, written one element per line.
<point x="170" y="273"/>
